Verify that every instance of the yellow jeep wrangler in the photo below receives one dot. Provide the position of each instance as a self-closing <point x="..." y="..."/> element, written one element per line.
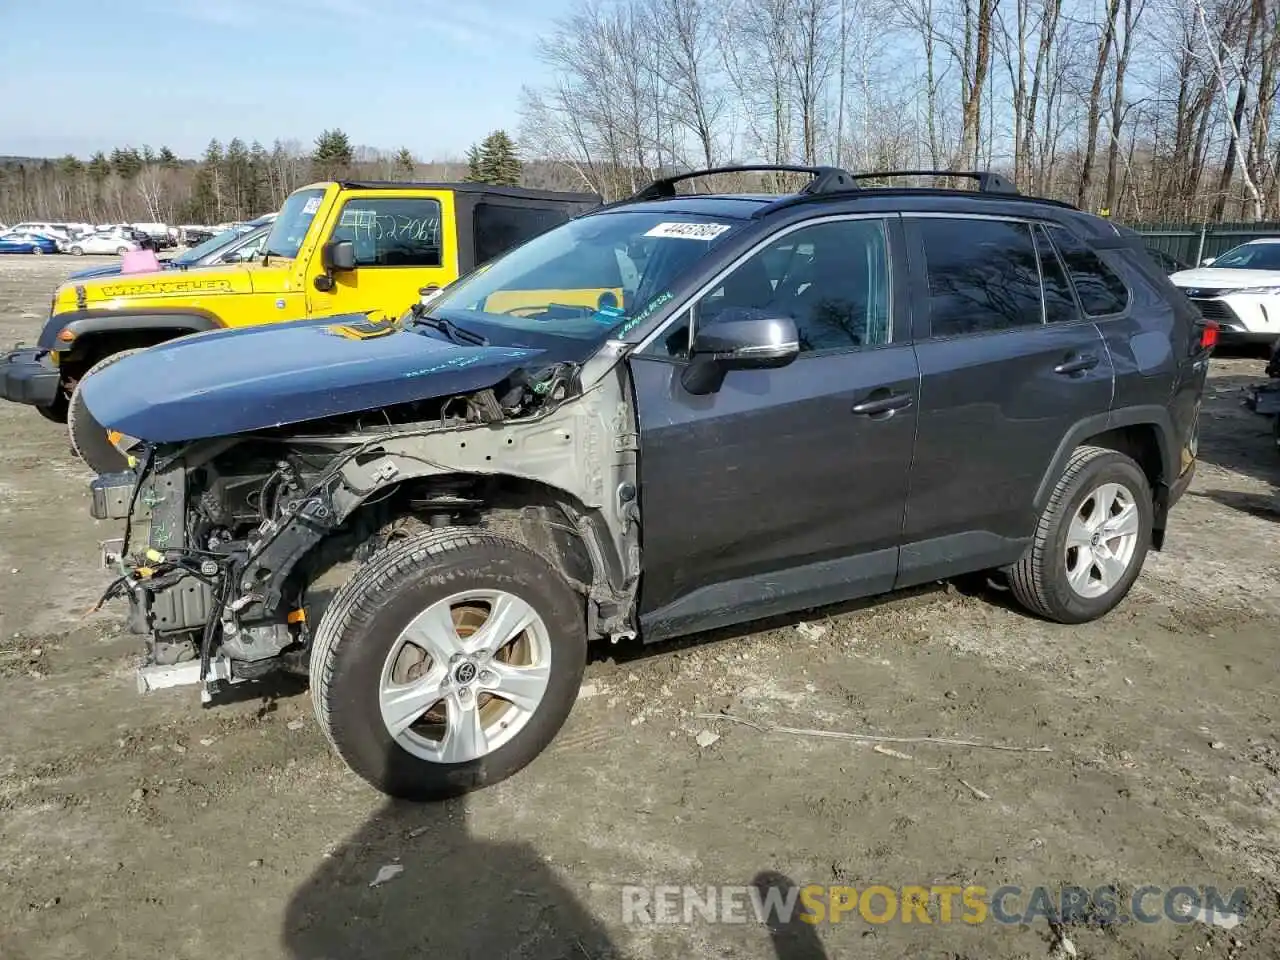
<point x="335" y="248"/>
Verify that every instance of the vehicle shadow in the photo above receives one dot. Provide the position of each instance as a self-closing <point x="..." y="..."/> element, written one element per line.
<point x="1233" y="437"/>
<point x="1262" y="506"/>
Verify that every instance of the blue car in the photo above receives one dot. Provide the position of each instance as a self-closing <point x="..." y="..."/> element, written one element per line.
<point x="242" y="242"/>
<point x="36" y="243"/>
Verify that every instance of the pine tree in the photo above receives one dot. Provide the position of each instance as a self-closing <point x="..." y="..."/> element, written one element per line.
<point x="475" y="166"/>
<point x="207" y="195"/>
<point x="99" y="168"/>
<point x="126" y="162"/>
<point x="258" y="199"/>
<point x="501" y="159"/>
<point x="495" y="160"/>
<point x="405" y="164"/>
<point x="168" y="158"/>
<point x="238" y="176"/>
<point x="333" y="155"/>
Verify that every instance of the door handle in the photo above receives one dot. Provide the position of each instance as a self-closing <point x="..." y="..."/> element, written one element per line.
<point x="882" y="404"/>
<point x="1080" y="364"/>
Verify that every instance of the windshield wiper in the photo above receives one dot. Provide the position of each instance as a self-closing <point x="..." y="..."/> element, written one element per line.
<point x="450" y="329"/>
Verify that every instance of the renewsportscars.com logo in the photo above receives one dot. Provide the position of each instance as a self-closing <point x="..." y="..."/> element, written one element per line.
<point x="932" y="904"/>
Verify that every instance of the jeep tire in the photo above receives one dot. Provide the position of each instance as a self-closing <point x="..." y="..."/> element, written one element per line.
<point x="1091" y="540"/>
<point x="408" y="644"/>
<point x="89" y="440"/>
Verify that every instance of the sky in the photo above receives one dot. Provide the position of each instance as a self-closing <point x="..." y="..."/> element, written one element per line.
<point x="432" y="75"/>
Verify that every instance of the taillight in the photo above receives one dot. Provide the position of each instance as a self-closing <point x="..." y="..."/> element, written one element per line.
<point x="1208" y="335"/>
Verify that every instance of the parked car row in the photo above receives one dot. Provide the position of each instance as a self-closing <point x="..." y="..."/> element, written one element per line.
<point x="84" y="238"/>
<point x="240" y="244"/>
<point x="430" y="490"/>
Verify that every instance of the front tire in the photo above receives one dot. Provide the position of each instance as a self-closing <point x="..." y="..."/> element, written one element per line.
<point x="447" y="663"/>
<point x="1091" y="540"/>
<point x="77" y="251"/>
<point x="121" y="251"/>
<point x="89" y="440"/>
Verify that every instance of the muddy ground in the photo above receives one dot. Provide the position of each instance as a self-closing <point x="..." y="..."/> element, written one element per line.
<point x="149" y="827"/>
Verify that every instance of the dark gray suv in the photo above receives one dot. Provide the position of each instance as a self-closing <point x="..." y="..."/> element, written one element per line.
<point x="668" y="415"/>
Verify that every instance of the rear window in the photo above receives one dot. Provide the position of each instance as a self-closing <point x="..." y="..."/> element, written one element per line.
<point x="983" y="275"/>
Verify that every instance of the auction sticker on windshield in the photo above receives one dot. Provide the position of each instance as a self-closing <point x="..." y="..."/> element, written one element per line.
<point x="688" y="231"/>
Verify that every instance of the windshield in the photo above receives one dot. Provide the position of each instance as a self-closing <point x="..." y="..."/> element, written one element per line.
<point x="209" y="246"/>
<point x="1251" y="256"/>
<point x="291" y="226"/>
<point x="588" y="278"/>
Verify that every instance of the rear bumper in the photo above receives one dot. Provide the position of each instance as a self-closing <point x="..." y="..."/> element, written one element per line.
<point x="27" y="376"/>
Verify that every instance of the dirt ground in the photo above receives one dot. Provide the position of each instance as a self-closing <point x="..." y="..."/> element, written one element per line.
<point x="135" y="826"/>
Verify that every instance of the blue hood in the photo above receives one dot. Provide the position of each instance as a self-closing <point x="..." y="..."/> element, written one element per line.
<point x="235" y="381"/>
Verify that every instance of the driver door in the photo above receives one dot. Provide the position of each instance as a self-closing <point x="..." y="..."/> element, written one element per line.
<point x="784" y="488"/>
<point x="402" y="244"/>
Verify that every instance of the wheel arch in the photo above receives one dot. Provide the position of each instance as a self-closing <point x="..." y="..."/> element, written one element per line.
<point x="551" y="521"/>
<point x="1145" y="434"/>
<point x="95" y="334"/>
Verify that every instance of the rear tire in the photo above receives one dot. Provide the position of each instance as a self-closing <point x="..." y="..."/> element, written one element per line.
<point x="397" y="603"/>
<point x="1091" y="540"/>
<point x="89" y="440"/>
<point x="121" y="251"/>
<point x="77" y="251"/>
<point x="38" y="251"/>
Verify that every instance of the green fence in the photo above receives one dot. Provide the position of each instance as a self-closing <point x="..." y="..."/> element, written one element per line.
<point x="1192" y="242"/>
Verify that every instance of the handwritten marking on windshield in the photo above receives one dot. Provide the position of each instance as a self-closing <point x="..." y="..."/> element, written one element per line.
<point x="646" y="313"/>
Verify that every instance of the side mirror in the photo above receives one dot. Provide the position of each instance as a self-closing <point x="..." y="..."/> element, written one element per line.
<point x="233" y="257"/>
<point x="1207" y="261"/>
<point x="339" y="255"/>
<point x="737" y="341"/>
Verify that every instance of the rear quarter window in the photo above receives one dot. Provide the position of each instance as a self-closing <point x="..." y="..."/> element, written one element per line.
<point x="1100" y="289"/>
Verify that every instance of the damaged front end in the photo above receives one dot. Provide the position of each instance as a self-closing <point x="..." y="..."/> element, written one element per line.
<point x="233" y="546"/>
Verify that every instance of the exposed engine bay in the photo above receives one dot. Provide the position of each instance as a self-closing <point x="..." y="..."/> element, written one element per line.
<point x="233" y="546"/>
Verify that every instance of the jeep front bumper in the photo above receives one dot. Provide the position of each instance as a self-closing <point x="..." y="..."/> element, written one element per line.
<point x="28" y="376"/>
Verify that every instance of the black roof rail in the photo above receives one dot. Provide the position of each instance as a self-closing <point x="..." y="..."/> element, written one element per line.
<point x="825" y="179"/>
<point x="988" y="182"/>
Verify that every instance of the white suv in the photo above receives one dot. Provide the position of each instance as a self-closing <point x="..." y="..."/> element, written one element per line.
<point x="1240" y="290"/>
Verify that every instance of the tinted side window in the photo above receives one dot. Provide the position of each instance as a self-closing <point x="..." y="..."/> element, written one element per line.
<point x="831" y="278"/>
<point x="499" y="227"/>
<point x="1100" y="291"/>
<point x="392" y="232"/>
<point x="1059" y="301"/>
<point x="983" y="275"/>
